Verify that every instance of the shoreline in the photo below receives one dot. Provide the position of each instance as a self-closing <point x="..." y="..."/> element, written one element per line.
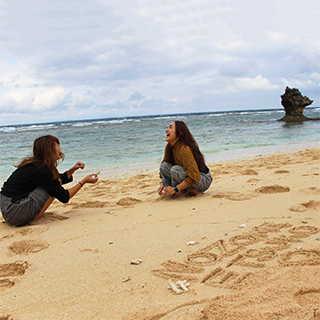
<point x="211" y="159"/>
<point x="118" y="155"/>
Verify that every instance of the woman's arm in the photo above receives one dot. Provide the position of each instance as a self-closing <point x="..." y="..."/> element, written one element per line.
<point x="171" y="190"/>
<point x="91" y="178"/>
<point x="190" y="165"/>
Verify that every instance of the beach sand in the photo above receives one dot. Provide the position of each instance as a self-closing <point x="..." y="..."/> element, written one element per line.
<point x="248" y="248"/>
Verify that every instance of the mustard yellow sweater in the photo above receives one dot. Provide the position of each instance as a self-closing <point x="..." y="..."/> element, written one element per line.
<point x="183" y="156"/>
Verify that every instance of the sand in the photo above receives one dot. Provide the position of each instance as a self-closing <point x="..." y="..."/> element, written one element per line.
<point x="248" y="248"/>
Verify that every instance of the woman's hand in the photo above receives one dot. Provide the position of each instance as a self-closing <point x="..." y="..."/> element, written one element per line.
<point x="91" y="178"/>
<point x="169" y="191"/>
<point x="160" y="189"/>
<point x="78" y="165"/>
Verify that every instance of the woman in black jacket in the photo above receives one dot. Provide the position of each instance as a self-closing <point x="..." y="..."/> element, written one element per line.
<point x="36" y="182"/>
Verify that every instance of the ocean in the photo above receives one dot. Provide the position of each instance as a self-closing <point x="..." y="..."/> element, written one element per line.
<point x="124" y="144"/>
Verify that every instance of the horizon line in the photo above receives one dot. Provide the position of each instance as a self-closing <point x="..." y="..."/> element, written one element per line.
<point x="147" y="116"/>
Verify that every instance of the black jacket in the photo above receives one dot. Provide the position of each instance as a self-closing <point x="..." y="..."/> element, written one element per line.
<point x="24" y="180"/>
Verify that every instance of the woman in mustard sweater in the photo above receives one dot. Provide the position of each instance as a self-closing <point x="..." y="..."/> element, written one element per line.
<point x="183" y="167"/>
<point x="31" y="189"/>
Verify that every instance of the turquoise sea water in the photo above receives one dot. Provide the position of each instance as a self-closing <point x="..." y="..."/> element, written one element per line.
<point x="121" y="144"/>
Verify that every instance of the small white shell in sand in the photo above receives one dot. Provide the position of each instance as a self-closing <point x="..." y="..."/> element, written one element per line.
<point x="174" y="288"/>
<point x="136" y="261"/>
<point x="182" y="284"/>
<point x="127" y="278"/>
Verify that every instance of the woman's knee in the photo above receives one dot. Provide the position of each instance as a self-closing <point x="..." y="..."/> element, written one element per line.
<point x="178" y="172"/>
<point x="163" y="165"/>
<point x="165" y="168"/>
<point x="40" y="195"/>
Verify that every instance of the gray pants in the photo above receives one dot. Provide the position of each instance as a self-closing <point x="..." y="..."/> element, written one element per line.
<point x="23" y="211"/>
<point x="172" y="175"/>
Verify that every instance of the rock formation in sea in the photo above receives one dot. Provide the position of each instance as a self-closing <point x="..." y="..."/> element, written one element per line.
<point x="294" y="104"/>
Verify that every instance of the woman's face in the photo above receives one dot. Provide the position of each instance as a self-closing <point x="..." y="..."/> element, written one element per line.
<point x="58" y="151"/>
<point x="171" y="135"/>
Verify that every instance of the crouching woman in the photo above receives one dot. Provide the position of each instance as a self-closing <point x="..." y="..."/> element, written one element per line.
<point x="36" y="182"/>
<point x="183" y="167"/>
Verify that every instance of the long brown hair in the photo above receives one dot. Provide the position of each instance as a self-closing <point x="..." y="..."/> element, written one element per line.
<point x="186" y="137"/>
<point x="44" y="150"/>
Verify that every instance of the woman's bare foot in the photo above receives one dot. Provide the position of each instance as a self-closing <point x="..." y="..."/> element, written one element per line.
<point x="39" y="221"/>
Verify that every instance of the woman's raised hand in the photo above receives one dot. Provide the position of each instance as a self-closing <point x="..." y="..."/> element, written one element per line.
<point x="78" y="165"/>
<point x="91" y="178"/>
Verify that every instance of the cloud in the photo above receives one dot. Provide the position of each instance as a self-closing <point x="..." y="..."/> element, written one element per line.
<point x="236" y="67"/>
<point x="96" y="58"/>
<point x="305" y="81"/>
<point x="259" y="82"/>
<point x="34" y="100"/>
<point x="136" y="96"/>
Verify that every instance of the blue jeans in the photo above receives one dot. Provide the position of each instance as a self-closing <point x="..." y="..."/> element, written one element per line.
<point x="172" y="175"/>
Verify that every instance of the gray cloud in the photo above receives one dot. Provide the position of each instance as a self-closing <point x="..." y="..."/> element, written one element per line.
<point x="137" y="96"/>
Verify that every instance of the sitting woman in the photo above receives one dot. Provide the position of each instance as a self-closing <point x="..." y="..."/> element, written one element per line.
<point x="31" y="188"/>
<point x="183" y="167"/>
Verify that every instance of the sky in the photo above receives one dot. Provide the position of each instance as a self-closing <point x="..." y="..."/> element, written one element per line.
<point x="72" y="60"/>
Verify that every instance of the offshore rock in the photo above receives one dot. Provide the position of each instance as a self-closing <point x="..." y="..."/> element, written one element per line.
<point x="294" y="104"/>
